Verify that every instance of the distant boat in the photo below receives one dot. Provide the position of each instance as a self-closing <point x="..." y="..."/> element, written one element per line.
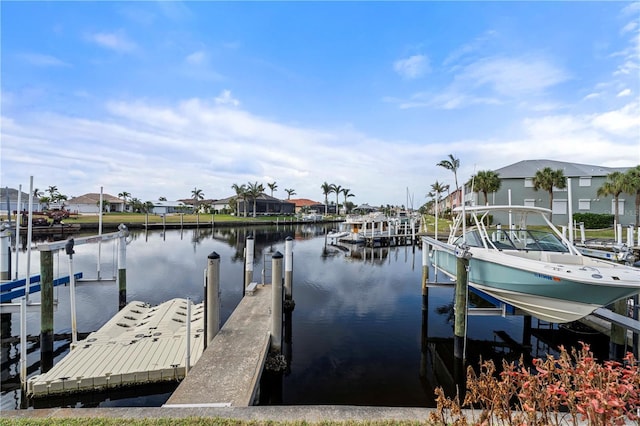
<point x="535" y="269"/>
<point x="356" y="228"/>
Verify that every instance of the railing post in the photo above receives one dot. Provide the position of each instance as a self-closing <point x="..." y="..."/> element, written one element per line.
<point x="248" y="262"/>
<point x="72" y="293"/>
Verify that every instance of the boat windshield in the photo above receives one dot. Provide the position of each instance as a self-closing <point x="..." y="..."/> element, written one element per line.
<point x="521" y="239"/>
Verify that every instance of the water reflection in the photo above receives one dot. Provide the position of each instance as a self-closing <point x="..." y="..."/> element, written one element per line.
<point x="361" y="333"/>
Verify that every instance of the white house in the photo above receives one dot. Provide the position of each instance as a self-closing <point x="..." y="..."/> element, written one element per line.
<point x="90" y="203"/>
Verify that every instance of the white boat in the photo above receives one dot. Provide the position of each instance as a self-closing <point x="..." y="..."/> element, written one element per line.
<point x="356" y="228"/>
<point x="535" y="269"/>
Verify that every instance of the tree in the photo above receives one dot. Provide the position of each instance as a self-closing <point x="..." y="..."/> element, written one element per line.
<point x="486" y="181"/>
<point x="197" y="196"/>
<point x="326" y="190"/>
<point x="548" y="179"/>
<point x="338" y="190"/>
<point x="452" y="164"/>
<point x="53" y="192"/>
<point x="272" y="186"/>
<point x="615" y="184"/>
<point x="347" y="193"/>
<point x="162" y="198"/>
<point x="124" y="195"/>
<point x="37" y="194"/>
<point x="633" y="177"/>
<point x="290" y="192"/>
<point x="241" y="191"/>
<point x="437" y="188"/>
<point x="253" y="191"/>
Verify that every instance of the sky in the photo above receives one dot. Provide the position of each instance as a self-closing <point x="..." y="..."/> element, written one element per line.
<point x="160" y="98"/>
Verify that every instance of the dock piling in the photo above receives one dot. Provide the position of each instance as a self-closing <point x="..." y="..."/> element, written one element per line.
<point x="46" y="310"/>
<point x="212" y="320"/>
<point x="288" y="268"/>
<point x="248" y="262"/>
<point x="276" y="302"/>
<point x="460" y="306"/>
<point x="5" y="252"/>
<point x="122" y="266"/>
<point x="425" y="266"/>
<point x="72" y="293"/>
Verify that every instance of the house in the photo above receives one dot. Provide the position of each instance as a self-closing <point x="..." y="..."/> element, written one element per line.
<point x="584" y="179"/>
<point x="265" y="205"/>
<point x="170" y="207"/>
<point x="303" y="205"/>
<point x="90" y="203"/>
<point x="11" y="195"/>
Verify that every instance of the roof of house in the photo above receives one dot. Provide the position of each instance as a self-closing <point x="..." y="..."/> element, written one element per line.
<point x="13" y="195"/>
<point x="93" y="198"/>
<point x="303" y="202"/>
<point x="528" y="168"/>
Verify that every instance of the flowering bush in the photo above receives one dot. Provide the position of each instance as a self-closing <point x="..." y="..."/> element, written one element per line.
<point x="573" y="387"/>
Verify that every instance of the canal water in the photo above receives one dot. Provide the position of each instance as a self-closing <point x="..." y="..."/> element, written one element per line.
<point x="362" y="332"/>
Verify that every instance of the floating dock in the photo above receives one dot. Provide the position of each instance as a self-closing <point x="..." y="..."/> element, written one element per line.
<point x="141" y="344"/>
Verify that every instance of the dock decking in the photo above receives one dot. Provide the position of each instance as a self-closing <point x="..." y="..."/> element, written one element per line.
<point x="140" y="344"/>
<point x="229" y="370"/>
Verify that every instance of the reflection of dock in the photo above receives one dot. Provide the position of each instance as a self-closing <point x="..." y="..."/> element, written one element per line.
<point x="139" y="345"/>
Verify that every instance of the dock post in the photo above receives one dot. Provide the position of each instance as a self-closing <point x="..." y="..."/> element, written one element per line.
<point x="276" y="302"/>
<point x="618" y="339"/>
<point x="288" y="268"/>
<point x="425" y="266"/>
<point x="630" y="236"/>
<point x="5" y="252"/>
<point x="187" y="355"/>
<point x="46" y="310"/>
<point x="72" y="293"/>
<point x="212" y="320"/>
<point x="248" y="262"/>
<point x="122" y="266"/>
<point x="460" y="306"/>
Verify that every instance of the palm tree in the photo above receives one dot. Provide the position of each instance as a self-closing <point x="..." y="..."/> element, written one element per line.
<point x="241" y="191"/>
<point x="254" y="190"/>
<point x="290" y="192"/>
<point x="615" y="184"/>
<point x="37" y="194"/>
<point x="162" y="198"/>
<point x="272" y="186"/>
<point x="452" y="164"/>
<point x="338" y="190"/>
<point x="548" y="179"/>
<point x="197" y="195"/>
<point x="486" y="181"/>
<point x="347" y="193"/>
<point x="326" y="190"/>
<point x="124" y="195"/>
<point x="53" y="191"/>
<point x="437" y="188"/>
<point x="633" y="181"/>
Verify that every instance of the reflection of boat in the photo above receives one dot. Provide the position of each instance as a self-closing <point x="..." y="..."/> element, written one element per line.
<point x="537" y="270"/>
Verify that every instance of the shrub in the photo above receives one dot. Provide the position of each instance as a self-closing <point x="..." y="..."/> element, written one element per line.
<point x="572" y="385"/>
<point x="593" y="220"/>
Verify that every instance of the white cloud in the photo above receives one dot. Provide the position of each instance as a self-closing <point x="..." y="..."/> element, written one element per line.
<point x="196" y="58"/>
<point x="412" y="67"/>
<point x="117" y="41"/>
<point x="625" y="92"/>
<point x="225" y="98"/>
<point x="42" y="60"/>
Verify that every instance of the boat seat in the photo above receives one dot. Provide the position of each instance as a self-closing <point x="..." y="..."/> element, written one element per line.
<point x="560" y="258"/>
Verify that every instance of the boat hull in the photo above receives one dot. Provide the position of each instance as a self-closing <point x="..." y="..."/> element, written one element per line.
<point x="540" y="292"/>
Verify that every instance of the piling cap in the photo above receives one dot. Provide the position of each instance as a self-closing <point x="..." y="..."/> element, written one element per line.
<point x="276" y="255"/>
<point x="250" y="237"/>
<point x="213" y="255"/>
<point x="289" y="238"/>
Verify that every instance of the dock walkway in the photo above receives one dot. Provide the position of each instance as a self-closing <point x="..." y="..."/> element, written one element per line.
<point x="228" y="371"/>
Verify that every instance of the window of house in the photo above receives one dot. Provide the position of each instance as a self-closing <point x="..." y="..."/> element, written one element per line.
<point x="528" y="182"/>
<point x="585" y="181"/>
<point x="530" y="202"/>
<point x="559" y="207"/>
<point x="584" y="204"/>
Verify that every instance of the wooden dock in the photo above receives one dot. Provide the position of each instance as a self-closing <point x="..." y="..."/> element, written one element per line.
<point x="141" y="344"/>
<point x="228" y="372"/>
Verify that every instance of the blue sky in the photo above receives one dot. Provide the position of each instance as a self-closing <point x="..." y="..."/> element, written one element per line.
<point x="159" y="98"/>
